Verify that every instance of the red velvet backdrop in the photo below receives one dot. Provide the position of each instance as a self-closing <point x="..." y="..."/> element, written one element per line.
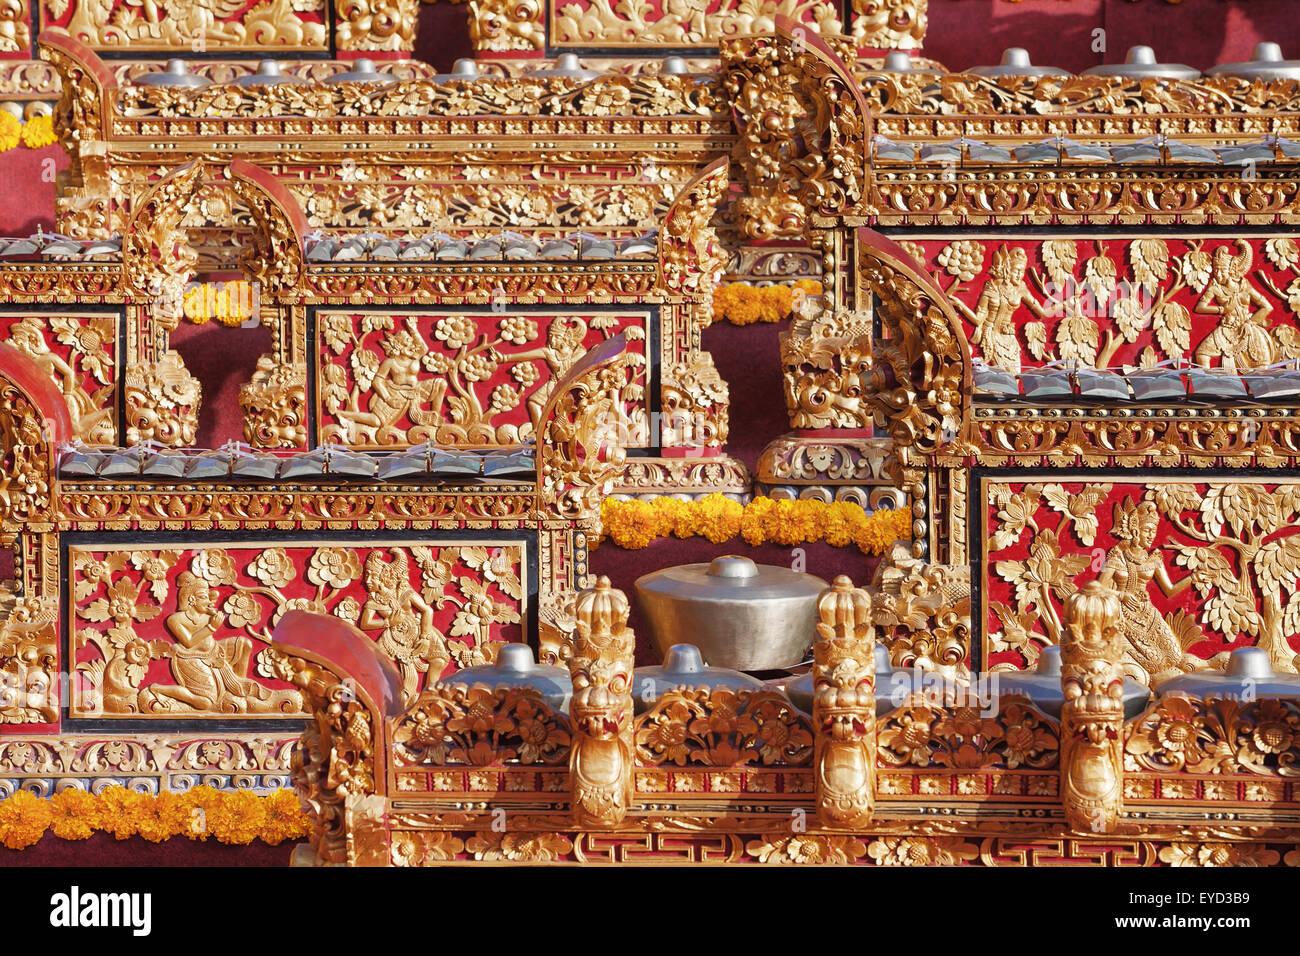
<point x="962" y="33"/>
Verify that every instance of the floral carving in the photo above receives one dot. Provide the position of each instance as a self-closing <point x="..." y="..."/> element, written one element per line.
<point x="777" y="848"/>
<point x="677" y="23"/>
<point x="275" y="405"/>
<point x="456" y="379"/>
<point x="922" y="851"/>
<point x="960" y="738"/>
<point x="162" y="402"/>
<point x="181" y="24"/>
<point x="1217" y="735"/>
<point x="479" y="726"/>
<point x="721" y="727"/>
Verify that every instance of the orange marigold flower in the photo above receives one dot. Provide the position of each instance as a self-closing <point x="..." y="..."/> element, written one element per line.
<point x="24" y="818"/>
<point x="11" y="131"/>
<point x="285" y="818"/>
<point x="204" y="803"/>
<point x="238" y="818"/>
<point x="75" y="814"/>
<point x="718" y="517"/>
<point x="119" y="811"/>
<point x="162" y="817"/>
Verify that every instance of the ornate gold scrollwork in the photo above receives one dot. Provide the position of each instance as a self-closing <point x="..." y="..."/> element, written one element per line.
<point x="844" y="706"/>
<point x="600" y="764"/>
<point x="803" y="131"/>
<point x="890" y="24"/>
<point x="1092" y="717"/>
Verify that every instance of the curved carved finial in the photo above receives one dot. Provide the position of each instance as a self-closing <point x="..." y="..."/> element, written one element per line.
<point x="600" y="761"/>
<point x="921" y="380"/>
<point x="1092" y="717"/>
<point x="275" y="255"/>
<point x="156" y="252"/>
<point x="691" y="259"/>
<point x="844" y="706"/>
<point x="83" y="78"/>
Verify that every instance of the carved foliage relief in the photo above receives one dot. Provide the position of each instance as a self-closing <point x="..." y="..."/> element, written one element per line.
<point x="456" y="378"/>
<point x="1109" y="303"/>
<point x="677" y="23"/>
<point x="181" y="632"/>
<point x="1200" y="568"/>
<point x="135" y="25"/>
<point x="79" y="353"/>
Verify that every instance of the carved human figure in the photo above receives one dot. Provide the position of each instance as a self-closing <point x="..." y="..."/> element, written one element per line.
<point x="91" y="424"/>
<point x="1152" y="650"/>
<point x="209" y="673"/>
<point x="396" y="391"/>
<point x="404" y="619"/>
<point x="1240" y="341"/>
<point x="994" y="312"/>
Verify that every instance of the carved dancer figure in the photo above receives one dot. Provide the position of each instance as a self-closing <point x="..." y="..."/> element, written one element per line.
<point x="1151" y="649"/>
<point x="1240" y="342"/>
<point x="844" y="706"/>
<point x="600" y="762"/>
<point x="396" y="391"/>
<point x="405" y="621"/>
<point x="1092" y="717"/>
<point x="994" y="312"/>
<point x="209" y="672"/>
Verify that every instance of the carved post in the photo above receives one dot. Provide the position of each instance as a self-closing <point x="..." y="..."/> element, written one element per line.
<point x="600" y="762"/>
<point x="844" y="706"/>
<point x="1092" y="718"/>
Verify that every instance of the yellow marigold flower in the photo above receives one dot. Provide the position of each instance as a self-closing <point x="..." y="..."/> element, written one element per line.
<point x="162" y="817"/>
<point x="11" y="131"/>
<point x="204" y="803"/>
<point x="75" y="814"/>
<point x="635" y="525"/>
<point x="238" y="818"/>
<point x="285" y="818"/>
<point x="24" y="818"/>
<point x="39" y="131"/>
<point x="119" y="810"/>
<point x="718" y="517"/>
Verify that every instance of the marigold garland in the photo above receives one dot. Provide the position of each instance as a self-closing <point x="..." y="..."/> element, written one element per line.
<point x="743" y="304"/>
<point x="234" y="817"/>
<point x="36" y="133"/>
<point x="634" y="524"/>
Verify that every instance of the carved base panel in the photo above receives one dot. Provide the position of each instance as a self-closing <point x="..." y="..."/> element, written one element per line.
<point x="829" y="468"/>
<point x="465" y="838"/>
<point x="692" y="477"/>
<point x="148" y="763"/>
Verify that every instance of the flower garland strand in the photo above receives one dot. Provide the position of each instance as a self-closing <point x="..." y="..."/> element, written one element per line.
<point x="743" y="304"/>
<point x="234" y="817"/>
<point x="634" y="524"/>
